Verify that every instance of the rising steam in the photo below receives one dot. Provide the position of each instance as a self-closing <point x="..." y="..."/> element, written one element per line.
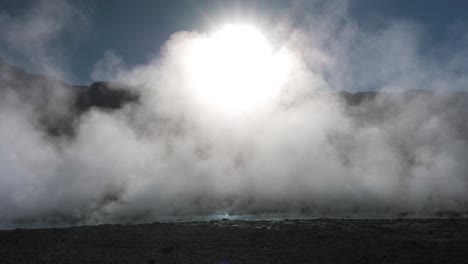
<point x="315" y="152"/>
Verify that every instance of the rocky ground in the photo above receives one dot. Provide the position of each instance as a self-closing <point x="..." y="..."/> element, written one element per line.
<point x="287" y="241"/>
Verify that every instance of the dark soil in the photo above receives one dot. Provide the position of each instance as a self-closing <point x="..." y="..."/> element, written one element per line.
<point x="288" y="241"/>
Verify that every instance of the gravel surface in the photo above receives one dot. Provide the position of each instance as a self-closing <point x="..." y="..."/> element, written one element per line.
<point x="286" y="241"/>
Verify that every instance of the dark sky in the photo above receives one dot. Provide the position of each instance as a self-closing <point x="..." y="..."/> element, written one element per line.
<point x="136" y="29"/>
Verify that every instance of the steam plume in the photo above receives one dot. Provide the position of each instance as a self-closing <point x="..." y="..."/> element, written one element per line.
<point x="316" y="152"/>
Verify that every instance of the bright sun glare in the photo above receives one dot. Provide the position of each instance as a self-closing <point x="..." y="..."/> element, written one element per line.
<point x="236" y="70"/>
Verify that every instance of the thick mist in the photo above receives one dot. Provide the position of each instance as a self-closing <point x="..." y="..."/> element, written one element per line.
<point x="312" y="151"/>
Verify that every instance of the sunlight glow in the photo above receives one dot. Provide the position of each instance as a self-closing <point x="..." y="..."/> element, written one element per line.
<point x="236" y="70"/>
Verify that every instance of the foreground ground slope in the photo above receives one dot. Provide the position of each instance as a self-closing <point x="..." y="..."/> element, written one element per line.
<point x="288" y="241"/>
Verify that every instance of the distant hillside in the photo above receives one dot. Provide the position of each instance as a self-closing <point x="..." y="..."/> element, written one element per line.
<point x="58" y="116"/>
<point x="58" y="102"/>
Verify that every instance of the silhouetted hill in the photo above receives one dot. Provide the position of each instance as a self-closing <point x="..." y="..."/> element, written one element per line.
<point x="357" y="98"/>
<point x="104" y="95"/>
<point x="99" y="94"/>
<point x="59" y="103"/>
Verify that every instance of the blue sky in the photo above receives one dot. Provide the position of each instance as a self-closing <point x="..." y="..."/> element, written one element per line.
<point x="136" y="30"/>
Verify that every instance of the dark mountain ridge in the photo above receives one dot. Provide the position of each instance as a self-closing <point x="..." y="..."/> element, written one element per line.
<point x="59" y="104"/>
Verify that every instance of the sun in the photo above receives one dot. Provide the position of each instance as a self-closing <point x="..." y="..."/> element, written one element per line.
<point x="235" y="70"/>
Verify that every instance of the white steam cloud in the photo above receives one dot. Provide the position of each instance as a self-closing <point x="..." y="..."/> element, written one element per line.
<point x="36" y="36"/>
<point x="311" y="153"/>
